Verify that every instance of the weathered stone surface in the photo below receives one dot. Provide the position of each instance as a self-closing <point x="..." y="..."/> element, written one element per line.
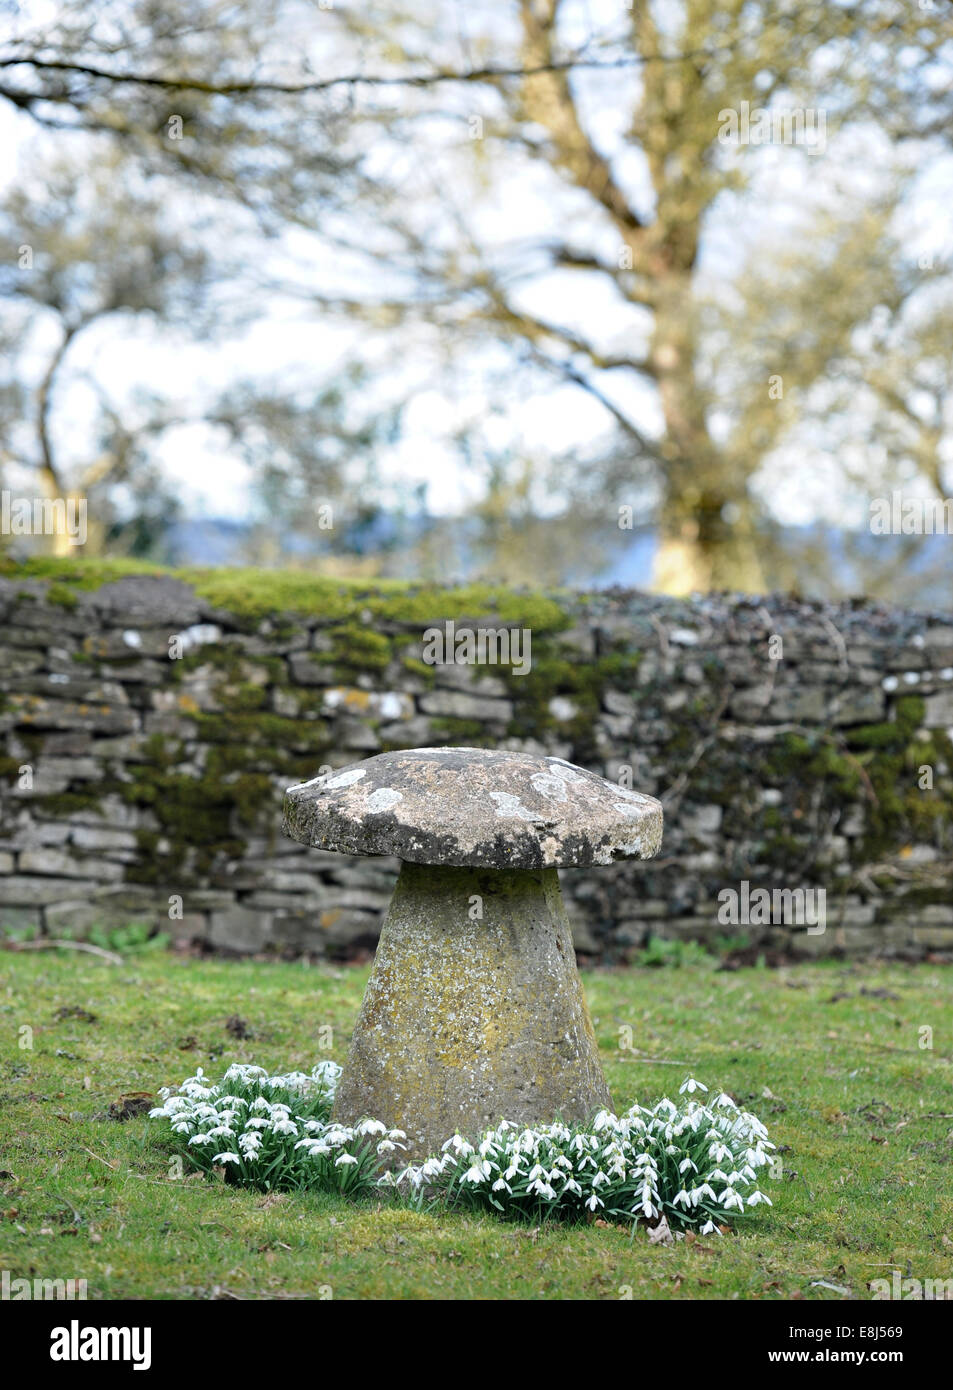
<point x="59" y="861"/>
<point x="38" y="713"/>
<point x="457" y="704"/>
<point x="23" y="891"/>
<point x="939" y="710"/>
<point x="306" y="669"/>
<point x="237" y="929"/>
<point x="20" y="919"/>
<point x="474" y="806"/>
<point x="466" y="1022"/>
<point x="150" y="600"/>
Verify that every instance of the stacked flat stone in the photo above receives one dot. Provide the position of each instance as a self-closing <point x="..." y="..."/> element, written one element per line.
<point x="474" y="1011"/>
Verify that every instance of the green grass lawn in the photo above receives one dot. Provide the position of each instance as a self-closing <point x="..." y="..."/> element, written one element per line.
<point x="828" y="1055"/>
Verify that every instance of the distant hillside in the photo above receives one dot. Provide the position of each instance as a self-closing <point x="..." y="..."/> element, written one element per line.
<point x="817" y="561"/>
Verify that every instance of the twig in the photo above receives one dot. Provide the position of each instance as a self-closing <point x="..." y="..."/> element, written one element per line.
<point x="701" y="748"/>
<point x="113" y="1166"/>
<point x="48" y="943"/>
<point x="838" y="640"/>
<point x="655" y="1061"/>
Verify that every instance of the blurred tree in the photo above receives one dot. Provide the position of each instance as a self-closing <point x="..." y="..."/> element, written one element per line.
<point x="624" y="133"/>
<point x="735" y="378"/>
<point x="163" y="202"/>
<point x="81" y="245"/>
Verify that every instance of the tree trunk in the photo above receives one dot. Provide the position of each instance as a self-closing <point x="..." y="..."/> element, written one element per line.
<point x="707" y="538"/>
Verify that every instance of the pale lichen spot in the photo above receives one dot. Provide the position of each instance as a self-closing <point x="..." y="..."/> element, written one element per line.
<point x="345" y="779"/>
<point x="509" y="805"/>
<point x="550" y="784"/>
<point x="298" y="786"/>
<point x="384" y="799"/>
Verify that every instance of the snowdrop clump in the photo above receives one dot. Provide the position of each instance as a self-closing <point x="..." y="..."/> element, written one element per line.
<point x="694" y="1164"/>
<point x="274" y="1132"/>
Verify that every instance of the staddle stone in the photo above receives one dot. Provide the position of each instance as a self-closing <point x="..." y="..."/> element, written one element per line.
<point x="474" y="1012"/>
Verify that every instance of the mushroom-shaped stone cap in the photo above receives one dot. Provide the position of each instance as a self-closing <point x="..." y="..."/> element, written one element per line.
<point x="474" y="806"/>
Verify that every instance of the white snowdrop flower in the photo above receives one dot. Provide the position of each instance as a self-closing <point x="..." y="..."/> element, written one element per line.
<point x="501" y="1186"/>
<point x="682" y="1199"/>
<point x="716" y="1175"/>
<point x="285" y="1127"/>
<point x="222" y="1132"/>
<point x="336" y="1136"/>
<point x="708" y="1228"/>
<point x="600" y="1179"/>
<point x="343" y="1160"/>
<point x="757" y="1198"/>
<point x="459" y="1145"/>
<point x="227" y="1158"/>
<point x="691" y="1085"/>
<point x="593" y="1202"/>
<point x="396" y="1134"/>
<point x="475" y="1173"/>
<point x="202" y="1139"/>
<point x="371" y="1127"/>
<point x="543" y="1189"/>
<point x="685" y="1164"/>
<point x="386" y="1147"/>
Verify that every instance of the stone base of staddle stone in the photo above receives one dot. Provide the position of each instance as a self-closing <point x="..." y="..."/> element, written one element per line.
<point x="469" y="1020"/>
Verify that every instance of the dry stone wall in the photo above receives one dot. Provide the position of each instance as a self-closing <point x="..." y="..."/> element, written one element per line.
<point x="150" y="723"/>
